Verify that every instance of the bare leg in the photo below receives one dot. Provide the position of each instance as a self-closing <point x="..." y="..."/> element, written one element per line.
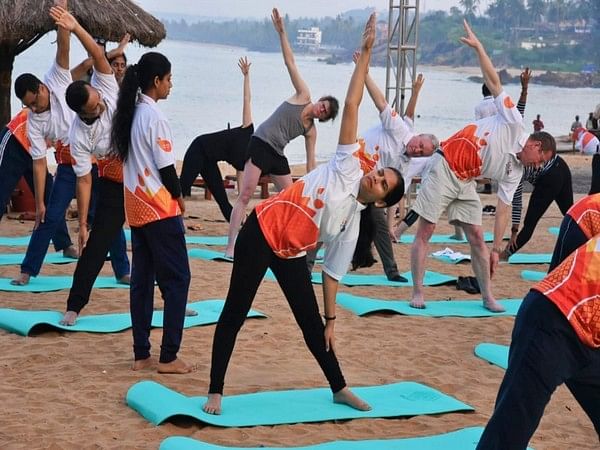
<point x="418" y="252"/>
<point x="69" y="318"/>
<point x="480" y="261"/>
<point x="250" y="181"/>
<point x="346" y="397"/>
<point x="175" y="366"/>
<point x="282" y="181"/>
<point x="458" y="233"/>
<point x="213" y="404"/>
<point x="141" y="364"/>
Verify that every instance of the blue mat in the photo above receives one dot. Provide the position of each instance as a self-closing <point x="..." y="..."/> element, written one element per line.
<point x="530" y="258"/>
<point x="17" y="241"/>
<point x="51" y="283"/>
<point x="158" y="403"/>
<point x="204" y="253"/>
<point x="444" y="238"/>
<point x="14" y="259"/>
<point x="463" y="439"/>
<point x="554" y="230"/>
<point x="455" y="308"/>
<point x="430" y="279"/>
<point x="533" y="275"/>
<point x="493" y="353"/>
<point x="22" y="322"/>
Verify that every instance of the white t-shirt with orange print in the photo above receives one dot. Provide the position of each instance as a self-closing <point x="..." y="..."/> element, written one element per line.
<point x="488" y="147"/>
<point x="150" y="149"/>
<point x="320" y="207"/>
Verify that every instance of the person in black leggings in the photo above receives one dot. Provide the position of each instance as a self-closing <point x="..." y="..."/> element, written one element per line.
<point x="229" y="145"/>
<point x="551" y="183"/>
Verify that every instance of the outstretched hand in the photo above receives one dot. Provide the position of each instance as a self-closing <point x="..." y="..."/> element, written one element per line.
<point x="368" y="37"/>
<point x="418" y="83"/>
<point x="470" y="39"/>
<point x="244" y="65"/>
<point x="124" y="41"/>
<point x="277" y="21"/>
<point x="63" y="18"/>
<point x="525" y="76"/>
<point x="355" y="56"/>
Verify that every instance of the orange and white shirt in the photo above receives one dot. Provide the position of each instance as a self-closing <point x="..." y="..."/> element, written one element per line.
<point x="586" y="214"/>
<point x="319" y="207"/>
<point x="53" y="125"/>
<point x="585" y="141"/>
<point x="574" y="287"/>
<point x="18" y="128"/>
<point x="488" y="147"/>
<point x="150" y="149"/>
<point x="91" y="143"/>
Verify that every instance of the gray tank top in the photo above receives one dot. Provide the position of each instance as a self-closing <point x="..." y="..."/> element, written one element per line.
<point x="282" y="126"/>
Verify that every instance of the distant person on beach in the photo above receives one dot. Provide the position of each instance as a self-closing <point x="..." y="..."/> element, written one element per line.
<point x="555" y="340"/>
<point x="293" y="118"/>
<point x="586" y="142"/>
<point x="495" y="147"/>
<point x="575" y="125"/>
<point x="229" y="145"/>
<point x="142" y="139"/>
<point x="322" y="206"/>
<point x="538" y="125"/>
<point x="591" y="122"/>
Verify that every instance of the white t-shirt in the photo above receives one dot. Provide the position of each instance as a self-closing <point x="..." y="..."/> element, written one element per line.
<point x="53" y="124"/>
<point x="488" y="147"/>
<point x="587" y="143"/>
<point x="485" y="108"/>
<point x="86" y="140"/>
<point x="320" y="207"/>
<point x="150" y="149"/>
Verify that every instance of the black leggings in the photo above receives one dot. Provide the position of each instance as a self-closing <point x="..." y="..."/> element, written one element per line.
<point x="595" y="188"/>
<point x="252" y="258"/>
<point x="554" y="185"/>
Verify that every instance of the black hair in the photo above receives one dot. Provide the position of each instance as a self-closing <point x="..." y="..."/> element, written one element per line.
<point x="485" y="91"/>
<point x="122" y="55"/>
<point x="137" y="76"/>
<point x="363" y="253"/>
<point x="77" y="95"/>
<point x="397" y="193"/>
<point x="26" y="82"/>
<point x="334" y="107"/>
<point x="546" y="140"/>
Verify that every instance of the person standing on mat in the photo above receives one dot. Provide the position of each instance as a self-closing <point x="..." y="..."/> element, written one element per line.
<point x="94" y="104"/>
<point x="323" y="206"/>
<point x="229" y="145"/>
<point x="142" y="139"/>
<point x="294" y="117"/>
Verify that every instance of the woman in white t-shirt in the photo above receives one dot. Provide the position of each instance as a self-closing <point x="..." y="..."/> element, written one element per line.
<point x="142" y="139"/>
<point x="323" y="206"/>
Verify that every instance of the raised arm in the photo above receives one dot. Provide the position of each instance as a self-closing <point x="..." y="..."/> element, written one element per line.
<point x="490" y="76"/>
<point x="66" y="21"/>
<point x="63" y="40"/>
<point x="302" y="91"/>
<point x="244" y="66"/>
<point x="354" y="94"/>
<point x="414" y="96"/>
<point x="372" y="88"/>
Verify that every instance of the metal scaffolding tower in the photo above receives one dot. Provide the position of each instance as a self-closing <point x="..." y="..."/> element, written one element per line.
<point x="401" y="61"/>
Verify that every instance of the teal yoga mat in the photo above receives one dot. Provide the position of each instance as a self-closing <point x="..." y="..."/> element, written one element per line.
<point x="158" y="403"/>
<point x="23" y="322"/>
<point x="50" y="283"/>
<point x="440" y="308"/>
<point x="211" y="255"/>
<point x="16" y="241"/>
<point x="13" y="259"/>
<point x="463" y="439"/>
<point x="533" y="275"/>
<point x="530" y="258"/>
<point x="430" y="279"/>
<point x="554" y="230"/>
<point x="444" y="239"/>
<point x="493" y="353"/>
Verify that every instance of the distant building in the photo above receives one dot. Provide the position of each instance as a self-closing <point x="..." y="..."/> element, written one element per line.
<point x="309" y="39"/>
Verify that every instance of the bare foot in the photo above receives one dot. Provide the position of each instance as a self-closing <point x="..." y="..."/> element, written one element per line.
<point x="141" y="364"/>
<point x="175" y="366"/>
<point x="213" y="404"/>
<point x="69" y="318"/>
<point x="346" y="397"/>
<point x="190" y="312"/>
<point x="70" y="252"/>
<point x="125" y="279"/>
<point x="417" y="302"/>
<point x="493" y="306"/>
<point x="21" y="280"/>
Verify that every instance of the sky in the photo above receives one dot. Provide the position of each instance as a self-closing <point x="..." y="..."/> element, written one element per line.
<point x="295" y="8"/>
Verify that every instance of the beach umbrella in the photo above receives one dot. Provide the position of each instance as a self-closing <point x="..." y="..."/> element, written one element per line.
<point x="24" y="22"/>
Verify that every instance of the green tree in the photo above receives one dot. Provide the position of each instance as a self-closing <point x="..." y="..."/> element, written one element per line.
<point x="469" y="8"/>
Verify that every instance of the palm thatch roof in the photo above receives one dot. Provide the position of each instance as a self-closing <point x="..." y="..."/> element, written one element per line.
<point x="22" y="21"/>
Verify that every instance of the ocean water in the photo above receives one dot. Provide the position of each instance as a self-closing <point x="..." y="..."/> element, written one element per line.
<point x="207" y="92"/>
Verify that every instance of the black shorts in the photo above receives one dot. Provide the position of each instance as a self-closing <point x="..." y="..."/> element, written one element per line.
<point x="266" y="159"/>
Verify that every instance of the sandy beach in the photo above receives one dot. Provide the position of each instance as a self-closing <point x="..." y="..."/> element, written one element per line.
<point x="64" y="390"/>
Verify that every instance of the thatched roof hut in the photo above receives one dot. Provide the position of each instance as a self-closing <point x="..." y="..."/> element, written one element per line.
<point x="23" y="22"/>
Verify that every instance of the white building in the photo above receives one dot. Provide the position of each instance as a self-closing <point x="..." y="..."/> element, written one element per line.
<point x="309" y="39"/>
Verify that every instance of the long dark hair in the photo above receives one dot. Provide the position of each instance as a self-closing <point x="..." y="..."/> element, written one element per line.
<point x="137" y="76"/>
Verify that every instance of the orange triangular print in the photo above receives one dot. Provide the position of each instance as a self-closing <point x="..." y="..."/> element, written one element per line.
<point x="286" y="221"/>
<point x="367" y="161"/>
<point x="142" y="208"/>
<point x="165" y="145"/>
<point x="508" y="103"/>
<point x="461" y="151"/>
